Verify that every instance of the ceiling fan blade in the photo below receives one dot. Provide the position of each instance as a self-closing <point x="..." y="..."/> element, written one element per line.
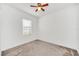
<point x="42" y="9"/>
<point x="32" y="6"/>
<point x="36" y="10"/>
<point x="45" y="5"/>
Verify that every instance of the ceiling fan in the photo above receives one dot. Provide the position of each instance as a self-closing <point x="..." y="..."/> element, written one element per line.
<point x="39" y="6"/>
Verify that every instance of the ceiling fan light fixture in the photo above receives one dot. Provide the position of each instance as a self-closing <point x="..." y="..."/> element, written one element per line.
<point x="40" y="6"/>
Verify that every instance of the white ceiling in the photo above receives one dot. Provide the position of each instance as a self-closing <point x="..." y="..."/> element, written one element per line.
<point x="53" y="7"/>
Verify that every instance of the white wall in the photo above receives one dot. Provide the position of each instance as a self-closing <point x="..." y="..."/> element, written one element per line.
<point x="0" y="29"/>
<point x="11" y="33"/>
<point x="60" y="27"/>
<point x="78" y="26"/>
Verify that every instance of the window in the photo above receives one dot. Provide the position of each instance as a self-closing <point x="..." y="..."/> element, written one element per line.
<point x="27" y="27"/>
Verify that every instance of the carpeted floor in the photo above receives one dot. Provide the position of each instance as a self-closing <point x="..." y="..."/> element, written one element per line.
<point x="40" y="48"/>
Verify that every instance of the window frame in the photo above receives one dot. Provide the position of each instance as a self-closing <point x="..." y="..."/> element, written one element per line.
<point x="27" y="29"/>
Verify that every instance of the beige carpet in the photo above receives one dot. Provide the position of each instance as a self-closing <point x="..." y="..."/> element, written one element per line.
<point x="40" y="48"/>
